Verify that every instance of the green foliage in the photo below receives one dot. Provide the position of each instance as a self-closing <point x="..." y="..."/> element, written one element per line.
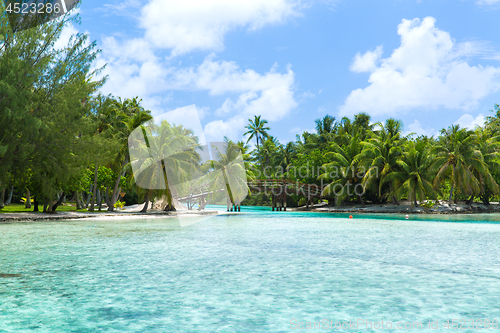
<point x="57" y="132"/>
<point x="427" y="204"/>
<point x="120" y="204"/>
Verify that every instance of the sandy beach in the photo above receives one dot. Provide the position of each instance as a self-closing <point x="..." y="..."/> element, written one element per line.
<point x="133" y="212"/>
<point x="129" y="212"/>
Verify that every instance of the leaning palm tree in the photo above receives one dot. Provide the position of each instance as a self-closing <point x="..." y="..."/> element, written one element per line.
<point x="164" y="158"/>
<point x="130" y="115"/>
<point x="247" y="159"/>
<point x="228" y="173"/>
<point x="457" y="154"/>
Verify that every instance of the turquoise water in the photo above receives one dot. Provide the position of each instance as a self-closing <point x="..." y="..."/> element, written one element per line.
<point x="256" y="272"/>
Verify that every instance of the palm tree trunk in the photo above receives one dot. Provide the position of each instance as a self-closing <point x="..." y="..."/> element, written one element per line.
<point x="58" y="203"/>
<point x="146" y="202"/>
<point x="228" y="188"/>
<point x="107" y="196"/>
<point x="87" y="199"/>
<point x="413" y="191"/>
<point x="99" y="199"/>
<point x="361" y="200"/>
<point x="94" y="190"/>
<point x="81" y="198"/>
<point x="27" y="204"/>
<point x="451" y="194"/>
<point x="114" y="196"/>
<point x="170" y="202"/>
<point x="9" y="200"/>
<point x="79" y="204"/>
<point x="2" y="198"/>
<point x="452" y="185"/>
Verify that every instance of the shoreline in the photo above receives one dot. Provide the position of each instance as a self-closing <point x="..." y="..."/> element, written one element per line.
<point x="405" y="208"/>
<point x="64" y="216"/>
<point x="133" y="212"/>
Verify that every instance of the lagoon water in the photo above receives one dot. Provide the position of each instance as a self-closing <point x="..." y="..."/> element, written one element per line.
<point x="255" y="272"/>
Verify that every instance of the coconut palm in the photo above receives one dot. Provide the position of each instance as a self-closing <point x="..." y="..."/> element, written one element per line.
<point x="257" y="128"/>
<point x="268" y="148"/>
<point x="380" y="156"/>
<point x="228" y="172"/>
<point x="325" y="129"/>
<point x="130" y="115"/>
<point x="488" y="143"/>
<point x="343" y="171"/>
<point x="164" y="157"/>
<point x="282" y="158"/>
<point x="457" y="154"/>
<point x="413" y="175"/>
<point x="247" y="159"/>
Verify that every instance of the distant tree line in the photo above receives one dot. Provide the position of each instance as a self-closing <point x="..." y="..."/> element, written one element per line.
<point x="359" y="161"/>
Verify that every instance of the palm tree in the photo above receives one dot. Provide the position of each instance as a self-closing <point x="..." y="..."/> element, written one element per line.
<point x="325" y="129"/>
<point x="104" y="119"/>
<point x="325" y="125"/>
<point x="457" y="154"/>
<point x="129" y="116"/>
<point x="229" y="173"/>
<point x="164" y="158"/>
<point x="258" y="129"/>
<point x="488" y="144"/>
<point x="247" y="159"/>
<point x="268" y="148"/>
<point x="343" y="171"/>
<point x="413" y="173"/>
<point x="282" y="158"/>
<point x="380" y="156"/>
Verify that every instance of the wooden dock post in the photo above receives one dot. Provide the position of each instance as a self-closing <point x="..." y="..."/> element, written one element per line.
<point x="284" y="197"/>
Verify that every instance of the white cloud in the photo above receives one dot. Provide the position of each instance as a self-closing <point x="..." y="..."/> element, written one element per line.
<point x="468" y="121"/>
<point x="188" y="117"/>
<point x="488" y="2"/>
<point x="68" y="31"/>
<point x="306" y="95"/>
<point x="417" y="128"/>
<point x="366" y="62"/>
<point x="128" y="8"/>
<point x="184" y="26"/>
<point x="217" y="129"/>
<point x="270" y="95"/>
<point x="135" y="67"/>
<point x="427" y="70"/>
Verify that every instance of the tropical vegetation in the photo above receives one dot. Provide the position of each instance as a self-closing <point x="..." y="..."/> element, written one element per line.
<point x="62" y="141"/>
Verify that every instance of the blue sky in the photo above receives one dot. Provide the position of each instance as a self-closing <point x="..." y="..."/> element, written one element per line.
<point x="428" y="63"/>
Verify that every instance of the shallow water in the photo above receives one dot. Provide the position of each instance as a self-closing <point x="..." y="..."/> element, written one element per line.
<point x="256" y="272"/>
